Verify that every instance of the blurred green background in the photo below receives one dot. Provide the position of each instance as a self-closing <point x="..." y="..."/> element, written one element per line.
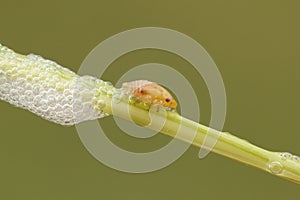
<point x="255" y="44"/>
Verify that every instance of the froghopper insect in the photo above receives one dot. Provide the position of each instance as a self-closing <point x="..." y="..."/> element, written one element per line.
<point x="150" y="93"/>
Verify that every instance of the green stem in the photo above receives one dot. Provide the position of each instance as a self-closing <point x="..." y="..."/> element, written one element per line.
<point x="19" y="73"/>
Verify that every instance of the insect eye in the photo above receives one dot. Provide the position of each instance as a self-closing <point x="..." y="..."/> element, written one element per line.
<point x="168" y="99"/>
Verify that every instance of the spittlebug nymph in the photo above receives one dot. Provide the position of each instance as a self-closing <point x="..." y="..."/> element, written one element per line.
<point x="150" y="93"/>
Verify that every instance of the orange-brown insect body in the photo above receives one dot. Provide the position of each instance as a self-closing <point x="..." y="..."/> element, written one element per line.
<point x="150" y="92"/>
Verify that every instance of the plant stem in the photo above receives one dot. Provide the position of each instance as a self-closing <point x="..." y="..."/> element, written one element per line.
<point x="43" y="79"/>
